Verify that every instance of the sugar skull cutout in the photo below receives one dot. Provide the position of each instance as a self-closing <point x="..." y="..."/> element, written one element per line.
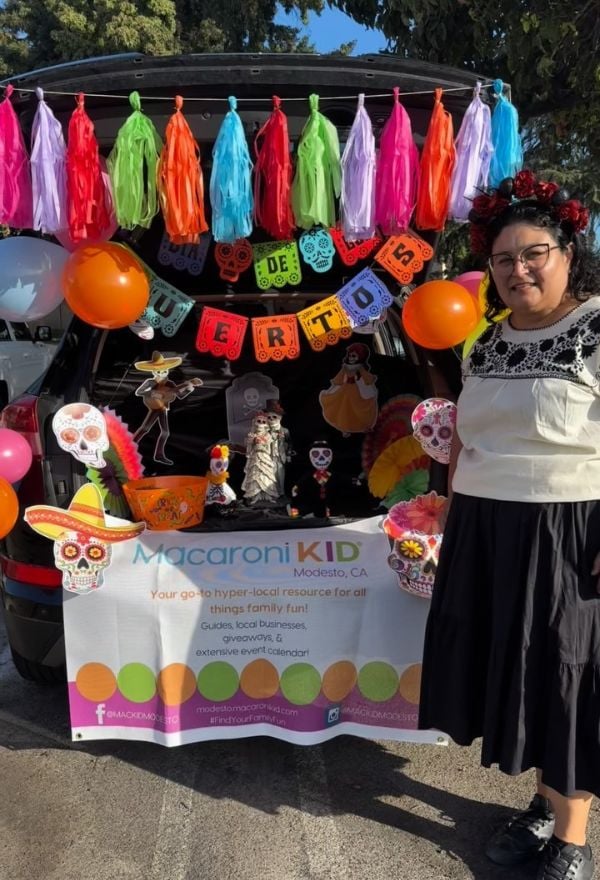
<point x="414" y="559"/>
<point x="82" y="559"/>
<point x="81" y="430"/>
<point x="318" y="249"/>
<point x="433" y="422"/>
<point x="233" y="259"/>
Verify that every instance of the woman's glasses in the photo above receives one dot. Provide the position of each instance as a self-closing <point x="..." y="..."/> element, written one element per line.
<point x="533" y="257"/>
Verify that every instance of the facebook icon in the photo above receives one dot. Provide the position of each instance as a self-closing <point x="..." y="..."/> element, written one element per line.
<point x="100" y="712"/>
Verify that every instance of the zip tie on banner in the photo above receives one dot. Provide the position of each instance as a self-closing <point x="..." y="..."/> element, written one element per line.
<point x="487" y="85"/>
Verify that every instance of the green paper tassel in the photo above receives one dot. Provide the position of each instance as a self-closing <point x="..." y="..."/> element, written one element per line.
<point x="318" y="171"/>
<point x="132" y="167"/>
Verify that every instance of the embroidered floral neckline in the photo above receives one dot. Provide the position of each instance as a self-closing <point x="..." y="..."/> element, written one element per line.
<point x="545" y="326"/>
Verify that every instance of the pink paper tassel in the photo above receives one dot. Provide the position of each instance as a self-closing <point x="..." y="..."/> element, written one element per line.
<point x="15" y="180"/>
<point x="48" y="171"/>
<point x="397" y="172"/>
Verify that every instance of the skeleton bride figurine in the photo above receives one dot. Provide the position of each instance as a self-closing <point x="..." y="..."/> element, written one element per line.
<point x="260" y="484"/>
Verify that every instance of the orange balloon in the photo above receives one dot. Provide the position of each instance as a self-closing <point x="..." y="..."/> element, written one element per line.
<point x="9" y="507"/>
<point x="439" y="314"/>
<point x="105" y="285"/>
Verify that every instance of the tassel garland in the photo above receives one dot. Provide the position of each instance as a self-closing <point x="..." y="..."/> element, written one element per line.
<point x="318" y="171"/>
<point x="437" y="162"/>
<point x="231" y="180"/>
<point x="397" y="172"/>
<point x="48" y="170"/>
<point x="273" y="176"/>
<point x="508" y="152"/>
<point x="15" y="177"/>
<point x="357" y="200"/>
<point x="89" y="199"/>
<point x="473" y="156"/>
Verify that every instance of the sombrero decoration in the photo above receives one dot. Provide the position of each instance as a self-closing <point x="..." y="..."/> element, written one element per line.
<point x="85" y="514"/>
<point x="158" y="362"/>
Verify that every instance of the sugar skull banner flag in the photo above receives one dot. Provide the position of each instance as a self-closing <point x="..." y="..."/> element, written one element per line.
<point x="301" y="634"/>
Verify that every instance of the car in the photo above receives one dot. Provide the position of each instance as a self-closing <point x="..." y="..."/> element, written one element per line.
<point x="98" y="366"/>
<point x="23" y="357"/>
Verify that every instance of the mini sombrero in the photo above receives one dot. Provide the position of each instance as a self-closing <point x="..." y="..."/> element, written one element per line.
<point x="84" y="514"/>
<point x="158" y="362"/>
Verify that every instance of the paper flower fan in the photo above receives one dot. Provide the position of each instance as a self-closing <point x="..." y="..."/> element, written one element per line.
<point x="423" y="514"/>
<point x="393" y="423"/>
<point x="123" y="463"/>
<point x="396" y="460"/>
<point x="409" y="486"/>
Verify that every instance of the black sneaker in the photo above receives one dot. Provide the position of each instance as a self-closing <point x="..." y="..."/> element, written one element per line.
<point x="523" y="836"/>
<point x="566" y="861"/>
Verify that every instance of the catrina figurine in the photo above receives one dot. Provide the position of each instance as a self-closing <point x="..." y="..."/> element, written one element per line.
<point x="219" y="491"/>
<point x="313" y="493"/>
<point x="350" y="402"/>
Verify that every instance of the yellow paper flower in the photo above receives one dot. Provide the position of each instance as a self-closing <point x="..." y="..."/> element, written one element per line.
<point x="412" y="549"/>
<point x="389" y="467"/>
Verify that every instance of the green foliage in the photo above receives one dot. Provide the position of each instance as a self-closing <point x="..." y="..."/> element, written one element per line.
<point x="549" y="51"/>
<point x="37" y="33"/>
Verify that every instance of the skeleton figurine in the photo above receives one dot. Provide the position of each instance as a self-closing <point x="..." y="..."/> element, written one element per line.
<point x="260" y="486"/>
<point x="219" y="491"/>
<point x="81" y="430"/>
<point x="313" y="494"/>
<point x="282" y="448"/>
<point x="433" y="422"/>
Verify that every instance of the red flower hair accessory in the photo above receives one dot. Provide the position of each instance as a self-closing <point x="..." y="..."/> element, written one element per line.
<point x="523" y="187"/>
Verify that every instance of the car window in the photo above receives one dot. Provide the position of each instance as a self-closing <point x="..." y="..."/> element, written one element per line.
<point x="4" y="334"/>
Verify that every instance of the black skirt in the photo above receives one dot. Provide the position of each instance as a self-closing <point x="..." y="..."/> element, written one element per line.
<point x="512" y="647"/>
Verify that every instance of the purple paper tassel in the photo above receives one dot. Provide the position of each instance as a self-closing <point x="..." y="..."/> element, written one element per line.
<point x="48" y="173"/>
<point x="357" y="199"/>
<point x="474" y="151"/>
<point x="397" y="172"/>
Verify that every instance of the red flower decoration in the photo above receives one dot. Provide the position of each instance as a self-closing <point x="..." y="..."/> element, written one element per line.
<point x="524" y="184"/>
<point x="545" y="190"/>
<point x="569" y="210"/>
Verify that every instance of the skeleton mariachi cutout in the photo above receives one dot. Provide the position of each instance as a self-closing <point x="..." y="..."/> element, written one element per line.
<point x="260" y="484"/>
<point x="433" y="422"/>
<point x="82" y="537"/>
<point x="80" y="429"/>
<point x="219" y="491"/>
<point x="350" y="402"/>
<point x="158" y="393"/>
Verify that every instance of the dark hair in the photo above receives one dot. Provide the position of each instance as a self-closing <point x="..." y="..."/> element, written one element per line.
<point x="584" y="271"/>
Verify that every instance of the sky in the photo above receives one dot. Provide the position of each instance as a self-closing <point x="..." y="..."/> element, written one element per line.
<point x="332" y="28"/>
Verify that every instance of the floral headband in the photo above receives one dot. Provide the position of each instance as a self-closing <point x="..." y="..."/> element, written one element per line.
<point x="523" y="187"/>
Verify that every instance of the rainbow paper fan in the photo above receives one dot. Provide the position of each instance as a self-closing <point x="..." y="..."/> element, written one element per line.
<point x="409" y="486"/>
<point x="123" y="463"/>
<point x="393" y="423"/>
<point x="395" y="461"/>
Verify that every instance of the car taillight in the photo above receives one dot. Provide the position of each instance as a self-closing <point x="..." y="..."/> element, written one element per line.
<point x="38" y="575"/>
<point x="21" y="415"/>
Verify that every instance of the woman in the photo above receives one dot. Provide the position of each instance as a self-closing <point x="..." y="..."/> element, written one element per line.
<point x="512" y="649"/>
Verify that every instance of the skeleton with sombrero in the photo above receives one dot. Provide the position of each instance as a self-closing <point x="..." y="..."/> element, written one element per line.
<point x="82" y="537"/>
<point x="158" y="393"/>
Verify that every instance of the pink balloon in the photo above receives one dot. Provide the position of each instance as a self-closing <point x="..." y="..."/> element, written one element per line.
<point x="15" y="455"/>
<point x="470" y="281"/>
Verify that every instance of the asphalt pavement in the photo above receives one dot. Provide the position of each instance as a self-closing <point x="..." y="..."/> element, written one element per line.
<point x="350" y="809"/>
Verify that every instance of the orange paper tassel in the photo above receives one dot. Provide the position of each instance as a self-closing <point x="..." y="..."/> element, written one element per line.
<point x="437" y="162"/>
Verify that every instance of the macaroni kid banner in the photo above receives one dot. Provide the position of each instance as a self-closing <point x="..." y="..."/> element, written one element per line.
<point x="301" y="635"/>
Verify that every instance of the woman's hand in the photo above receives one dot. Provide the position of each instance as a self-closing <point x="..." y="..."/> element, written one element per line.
<point x="596" y="570"/>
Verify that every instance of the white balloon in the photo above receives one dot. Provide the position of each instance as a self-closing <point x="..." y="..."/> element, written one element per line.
<point x="30" y="277"/>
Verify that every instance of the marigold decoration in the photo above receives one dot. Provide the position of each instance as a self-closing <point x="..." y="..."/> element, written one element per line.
<point x="437" y="162"/>
<point x="507" y="157"/>
<point x="48" y="170"/>
<point x="180" y="182"/>
<point x="397" y="172"/>
<point x="132" y="166"/>
<point x="273" y="176"/>
<point x="424" y="514"/>
<point x="357" y="200"/>
<point x="318" y="171"/>
<point x="411" y="548"/>
<point x="89" y="199"/>
<point x="15" y="176"/>
<point x="523" y="187"/>
<point x="231" y="180"/>
<point x="473" y="156"/>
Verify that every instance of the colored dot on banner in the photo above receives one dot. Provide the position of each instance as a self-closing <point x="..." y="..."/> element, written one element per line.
<point x="176" y="684"/>
<point x="96" y="682"/>
<point x="410" y="683"/>
<point x="218" y="681"/>
<point x="259" y="680"/>
<point x="378" y="681"/>
<point x="338" y="680"/>
<point x="136" y="682"/>
<point x="300" y="683"/>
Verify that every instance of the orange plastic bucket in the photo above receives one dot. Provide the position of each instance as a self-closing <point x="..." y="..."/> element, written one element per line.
<point x="167" y="502"/>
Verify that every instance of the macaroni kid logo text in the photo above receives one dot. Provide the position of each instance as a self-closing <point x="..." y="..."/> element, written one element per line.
<point x="303" y="552"/>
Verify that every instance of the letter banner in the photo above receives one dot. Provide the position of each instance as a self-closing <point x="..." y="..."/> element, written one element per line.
<point x="364" y="298"/>
<point x="325" y="323"/>
<point x="276" y="263"/>
<point x="403" y="256"/>
<point x="275" y="338"/>
<point x="221" y="333"/>
<point x="301" y="634"/>
<point x="167" y="307"/>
